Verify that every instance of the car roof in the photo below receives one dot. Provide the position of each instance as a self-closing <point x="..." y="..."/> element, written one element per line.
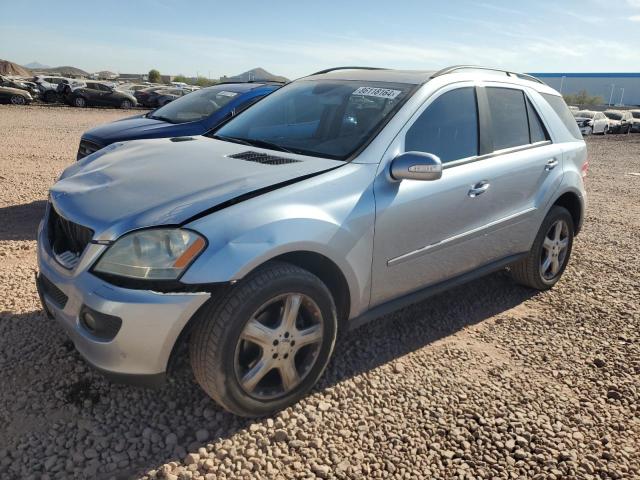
<point x="419" y="77"/>
<point x="412" y="77"/>
<point x="241" y="87"/>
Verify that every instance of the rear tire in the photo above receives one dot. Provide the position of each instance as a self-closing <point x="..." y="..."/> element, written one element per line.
<point x="551" y="245"/>
<point x="18" y="100"/>
<point x="242" y="348"/>
<point x="79" y="102"/>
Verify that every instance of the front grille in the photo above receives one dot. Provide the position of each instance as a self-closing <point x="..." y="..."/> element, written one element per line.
<point x="86" y="148"/>
<point x="52" y="292"/>
<point x="263" y="158"/>
<point x="66" y="236"/>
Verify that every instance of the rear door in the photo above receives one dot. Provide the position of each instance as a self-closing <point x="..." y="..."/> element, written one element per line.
<point x="91" y="94"/>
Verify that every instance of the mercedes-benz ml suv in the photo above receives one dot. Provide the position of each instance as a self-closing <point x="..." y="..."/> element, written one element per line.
<point x="339" y="197"/>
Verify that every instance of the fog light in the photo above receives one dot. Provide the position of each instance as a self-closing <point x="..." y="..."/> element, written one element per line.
<point x="89" y="321"/>
<point x="100" y="325"/>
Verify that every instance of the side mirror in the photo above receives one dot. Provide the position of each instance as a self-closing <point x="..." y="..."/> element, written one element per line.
<point x="416" y="166"/>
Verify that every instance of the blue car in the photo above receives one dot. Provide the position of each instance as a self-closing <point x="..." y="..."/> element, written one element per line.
<point x="194" y="114"/>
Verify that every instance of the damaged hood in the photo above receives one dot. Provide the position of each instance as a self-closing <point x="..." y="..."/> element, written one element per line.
<point x="147" y="183"/>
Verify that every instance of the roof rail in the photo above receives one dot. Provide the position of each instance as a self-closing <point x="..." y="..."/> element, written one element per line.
<point x="454" y="68"/>
<point x="345" y="68"/>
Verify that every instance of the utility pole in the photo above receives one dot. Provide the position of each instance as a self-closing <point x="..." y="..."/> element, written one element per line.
<point x="613" y="85"/>
<point x="562" y="83"/>
<point x="622" y="96"/>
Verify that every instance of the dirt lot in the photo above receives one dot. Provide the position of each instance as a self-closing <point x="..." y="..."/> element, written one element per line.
<point x="487" y="381"/>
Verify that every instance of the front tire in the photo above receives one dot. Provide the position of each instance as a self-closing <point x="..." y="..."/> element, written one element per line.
<point x="125" y="104"/>
<point x="262" y="345"/>
<point x="79" y="102"/>
<point x="544" y="265"/>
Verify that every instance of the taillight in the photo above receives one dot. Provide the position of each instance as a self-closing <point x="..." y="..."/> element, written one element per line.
<point x="585" y="168"/>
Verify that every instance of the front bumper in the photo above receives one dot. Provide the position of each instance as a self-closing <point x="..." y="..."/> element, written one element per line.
<point x="151" y="321"/>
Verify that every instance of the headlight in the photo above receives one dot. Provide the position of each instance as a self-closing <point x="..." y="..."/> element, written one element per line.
<point x="158" y="254"/>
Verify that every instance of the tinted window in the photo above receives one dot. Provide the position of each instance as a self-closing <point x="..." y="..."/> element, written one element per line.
<point x="510" y="126"/>
<point x="448" y="127"/>
<point x="557" y="103"/>
<point x="538" y="132"/>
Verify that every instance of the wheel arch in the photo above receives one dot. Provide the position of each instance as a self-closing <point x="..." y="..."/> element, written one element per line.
<point x="318" y="264"/>
<point x="572" y="202"/>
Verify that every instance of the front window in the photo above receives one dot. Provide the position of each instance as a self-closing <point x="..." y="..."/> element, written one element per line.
<point x="584" y="114"/>
<point x="635" y="114"/>
<point x="195" y="106"/>
<point x="613" y="115"/>
<point x="324" y="118"/>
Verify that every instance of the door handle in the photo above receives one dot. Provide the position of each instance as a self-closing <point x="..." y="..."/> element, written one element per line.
<point x="478" y="189"/>
<point x="551" y="164"/>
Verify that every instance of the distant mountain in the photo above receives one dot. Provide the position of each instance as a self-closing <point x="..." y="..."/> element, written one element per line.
<point x="65" y="71"/>
<point x="10" y="68"/>
<point x="35" y="65"/>
<point x="255" y="74"/>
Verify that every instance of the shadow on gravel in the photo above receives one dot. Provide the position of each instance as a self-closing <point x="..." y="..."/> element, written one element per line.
<point x="418" y="325"/>
<point x="136" y="430"/>
<point x="20" y="222"/>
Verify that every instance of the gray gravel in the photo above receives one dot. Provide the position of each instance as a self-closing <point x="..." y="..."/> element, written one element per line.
<point x="487" y="381"/>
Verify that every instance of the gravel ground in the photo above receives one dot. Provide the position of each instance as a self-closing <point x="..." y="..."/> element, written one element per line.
<point x="486" y="381"/>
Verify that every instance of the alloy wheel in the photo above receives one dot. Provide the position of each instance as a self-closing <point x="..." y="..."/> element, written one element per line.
<point x="554" y="249"/>
<point x="79" y="102"/>
<point x="278" y="346"/>
<point x="17" y="100"/>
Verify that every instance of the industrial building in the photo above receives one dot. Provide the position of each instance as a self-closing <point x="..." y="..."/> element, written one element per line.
<point x="614" y="88"/>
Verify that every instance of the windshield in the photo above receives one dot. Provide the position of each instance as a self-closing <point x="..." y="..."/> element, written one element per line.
<point x="324" y="118"/>
<point x="613" y="115"/>
<point x="635" y="114"/>
<point x="584" y="114"/>
<point x="195" y="106"/>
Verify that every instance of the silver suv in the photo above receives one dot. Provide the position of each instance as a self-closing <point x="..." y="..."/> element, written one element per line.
<point x="339" y="197"/>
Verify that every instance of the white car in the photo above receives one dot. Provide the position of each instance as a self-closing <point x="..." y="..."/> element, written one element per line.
<point x="591" y="122"/>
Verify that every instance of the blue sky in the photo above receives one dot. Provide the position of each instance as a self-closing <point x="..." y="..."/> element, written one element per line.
<point x="294" y="38"/>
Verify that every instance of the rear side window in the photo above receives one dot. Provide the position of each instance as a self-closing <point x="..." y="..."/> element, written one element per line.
<point x="509" y="118"/>
<point x="448" y="127"/>
<point x="557" y="103"/>
<point x="537" y="130"/>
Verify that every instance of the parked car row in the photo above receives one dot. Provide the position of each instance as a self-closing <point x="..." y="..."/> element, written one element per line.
<point x="83" y="93"/>
<point x="610" y="121"/>
<point x="306" y="209"/>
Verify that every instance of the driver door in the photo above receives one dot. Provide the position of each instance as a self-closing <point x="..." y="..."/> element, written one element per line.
<point x="482" y="209"/>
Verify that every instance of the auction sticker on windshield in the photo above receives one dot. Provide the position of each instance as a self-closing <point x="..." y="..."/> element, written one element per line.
<point x="224" y="93"/>
<point x="377" y="92"/>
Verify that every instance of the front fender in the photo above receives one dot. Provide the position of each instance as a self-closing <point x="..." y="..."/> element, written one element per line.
<point x="332" y="215"/>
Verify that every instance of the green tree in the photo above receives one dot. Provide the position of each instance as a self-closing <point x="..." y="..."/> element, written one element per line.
<point x="583" y="98"/>
<point x="180" y="78"/>
<point x="154" y="76"/>
<point x="204" y="82"/>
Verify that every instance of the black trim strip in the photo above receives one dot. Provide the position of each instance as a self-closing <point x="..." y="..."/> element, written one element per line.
<point x="415" y="297"/>
<point x="485" y="123"/>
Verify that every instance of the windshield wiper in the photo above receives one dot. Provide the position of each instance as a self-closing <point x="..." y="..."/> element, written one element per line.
<point x="253" y="143"/>
<point x="160" y="117"/>
<point x="266" y="144"/>
<point x="232" y="140"/>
